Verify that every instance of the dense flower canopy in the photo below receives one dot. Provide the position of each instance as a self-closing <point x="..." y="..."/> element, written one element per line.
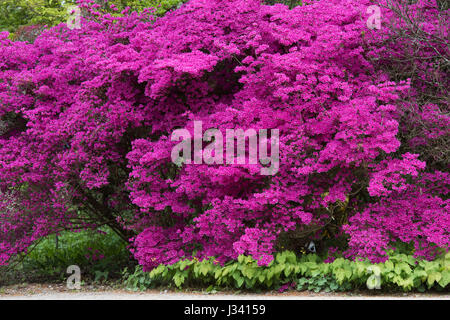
<point x="87" y="117"/>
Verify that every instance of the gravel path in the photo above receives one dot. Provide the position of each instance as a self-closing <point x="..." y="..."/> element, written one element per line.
<point x="60" y="292"/>
<point x="177" y="296"/>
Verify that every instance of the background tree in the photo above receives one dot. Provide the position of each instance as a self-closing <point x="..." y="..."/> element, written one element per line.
<point x="17" y="14"/>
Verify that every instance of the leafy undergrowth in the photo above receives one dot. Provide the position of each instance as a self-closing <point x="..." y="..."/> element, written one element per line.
<point x="309" y="272"/>
<point x="101" y="256"/>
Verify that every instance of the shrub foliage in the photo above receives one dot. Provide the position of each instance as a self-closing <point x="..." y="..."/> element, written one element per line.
<point x="401" y="272"/>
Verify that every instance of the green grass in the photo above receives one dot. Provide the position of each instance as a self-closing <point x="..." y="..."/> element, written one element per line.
<point x="100" y="255"/>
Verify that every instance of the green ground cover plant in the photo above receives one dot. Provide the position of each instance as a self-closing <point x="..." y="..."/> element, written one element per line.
<point x="309" y="272"/>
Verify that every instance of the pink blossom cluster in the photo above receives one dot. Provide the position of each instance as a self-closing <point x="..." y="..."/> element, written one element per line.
<point x="89" y="114"/>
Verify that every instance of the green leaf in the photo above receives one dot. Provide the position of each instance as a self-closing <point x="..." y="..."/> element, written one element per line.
<point x="433" y="277"/>
<point x="225" y="271"/>
<point x="420" y="274"/>
<point x="348" y="272"/>
<point x="402" y="267"/>
<point x="182" y="265"/>
<point x="280" y="258"/>
<point x="262" y="277"/>
<point x="388" y="265"/>
<point x="445" y="279"/>
<point x="204" y="268"/>
<point x="210" y="289"/>
<point x="239" y="282"/>
<point x="340" y="275"/>
<point x="447" y="256"/>
<point x="178" y="279"/>
<point x="287" y="270"/>
<point x="291" y="257"/>
<point x="249" y="272"/>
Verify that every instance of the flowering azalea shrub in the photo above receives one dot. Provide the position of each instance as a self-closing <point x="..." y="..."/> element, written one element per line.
<point x="87" y="117"/>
